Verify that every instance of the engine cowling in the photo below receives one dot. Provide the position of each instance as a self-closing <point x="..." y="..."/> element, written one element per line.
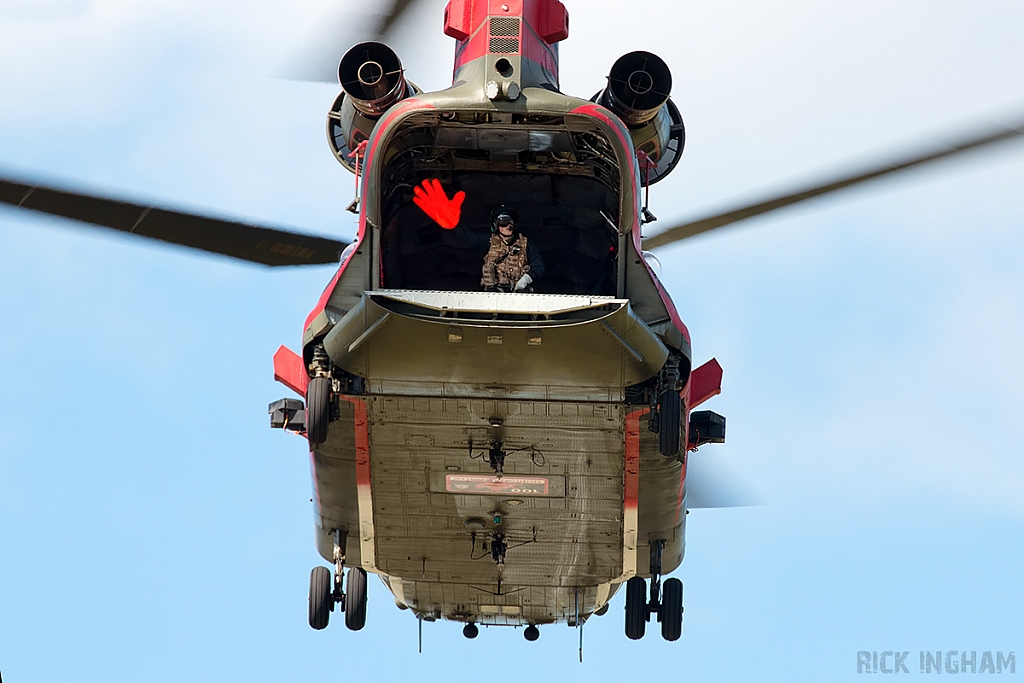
<point x="638" y="92"/>
<point x="372" y="81"/>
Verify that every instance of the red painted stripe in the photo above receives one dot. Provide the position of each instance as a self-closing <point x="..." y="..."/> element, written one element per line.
<point x="631" y="476"/>
<point x="478" y="45"/>
<point x="290" y="371"/>
<point x="399" y="109"/>
<point x="600" y="113"/>
<point x="362" y="437"/>
<point x="321" y="303"/>
<point x="470" y="25"/>
<point x="705" y="383"/>
<point x="534" y="48"/>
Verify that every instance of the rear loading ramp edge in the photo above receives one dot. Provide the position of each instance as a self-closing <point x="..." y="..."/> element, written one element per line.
<point x="613" y="350"/>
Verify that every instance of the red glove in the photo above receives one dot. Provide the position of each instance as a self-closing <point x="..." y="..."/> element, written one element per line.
<point x="432" y="199"/>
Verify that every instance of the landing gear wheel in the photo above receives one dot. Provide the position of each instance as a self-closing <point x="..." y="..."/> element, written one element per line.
<point x="670" y="419"/>
<point x="320" y="598"/>
<point x="672" y="609"/>
<point x="318" y="409"/>
<point x="355" y="599"/>
<point x="531" y="633"/>
<point x="470" y="631"/>
<point x="636" y="608"/>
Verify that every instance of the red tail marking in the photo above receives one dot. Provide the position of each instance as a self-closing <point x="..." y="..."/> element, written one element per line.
<point x="705" y="383"/>
<point x="543" y="23"/>
<point x="290" y="371"/>
<point x="548" y="18"/>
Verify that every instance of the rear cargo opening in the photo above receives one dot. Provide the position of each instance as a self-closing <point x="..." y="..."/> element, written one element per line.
<point x="563" y="185"/>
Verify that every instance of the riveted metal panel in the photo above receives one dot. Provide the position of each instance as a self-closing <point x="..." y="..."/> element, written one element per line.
<point x="572" y="537"/>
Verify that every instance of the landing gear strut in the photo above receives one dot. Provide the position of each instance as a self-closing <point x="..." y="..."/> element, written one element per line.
<point x="666" y="601"/>
<point x="327" y="383"/>
<point x="339" y="568"/>
<point x="657" y="551"/>
<point x="666" y="416"/>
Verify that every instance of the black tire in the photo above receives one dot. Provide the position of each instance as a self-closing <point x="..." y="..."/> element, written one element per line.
<point x="320" y="597"/>
<point x="532" y="633"/>
<point x="318" y="410"/>
<point x="636" y="608"/>
<point x="672" y="609"/>
<point x="355" y="599"/>
<point x="470" y="631"/>
<point x="670" y="415"/>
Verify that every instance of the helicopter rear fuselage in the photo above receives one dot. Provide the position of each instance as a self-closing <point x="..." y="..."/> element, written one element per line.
<point x="490" y="455"/>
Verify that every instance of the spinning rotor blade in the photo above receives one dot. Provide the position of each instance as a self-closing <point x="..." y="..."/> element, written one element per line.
<point x="692" y="228"/>
<point x="391" y="17"/>
<point x="319" y="63"/>
<point x="711" y="483"/>
<point x="252" y="243"/>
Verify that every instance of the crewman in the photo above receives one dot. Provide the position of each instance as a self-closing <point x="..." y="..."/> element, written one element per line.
<point x="512" y="263"/>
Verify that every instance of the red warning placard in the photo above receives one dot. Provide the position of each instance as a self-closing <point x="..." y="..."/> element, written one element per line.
<point x="481" y="484"/>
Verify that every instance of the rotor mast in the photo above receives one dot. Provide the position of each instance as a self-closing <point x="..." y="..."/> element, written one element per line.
<point x="510" y="44"/>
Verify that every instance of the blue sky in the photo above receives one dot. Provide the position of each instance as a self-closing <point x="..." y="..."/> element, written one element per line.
<point x="153" y="527"/>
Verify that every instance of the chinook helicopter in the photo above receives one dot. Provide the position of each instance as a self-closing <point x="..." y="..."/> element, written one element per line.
<point x="527" y="457"/>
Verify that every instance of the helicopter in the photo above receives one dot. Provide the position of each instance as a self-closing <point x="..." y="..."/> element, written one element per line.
<point x="403" y="300"/>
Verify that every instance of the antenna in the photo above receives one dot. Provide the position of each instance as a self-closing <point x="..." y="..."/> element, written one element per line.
<point x="579" y="625"/>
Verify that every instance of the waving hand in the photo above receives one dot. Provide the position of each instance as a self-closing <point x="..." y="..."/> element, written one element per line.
<point x="431" y="198"/>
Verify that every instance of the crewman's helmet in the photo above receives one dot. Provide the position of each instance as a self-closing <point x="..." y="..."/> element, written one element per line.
<point x="503" y="215"/>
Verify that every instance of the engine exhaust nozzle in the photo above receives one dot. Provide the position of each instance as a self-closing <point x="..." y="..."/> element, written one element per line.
<point x="372" y="75"/>
<point x="639" y="84"/>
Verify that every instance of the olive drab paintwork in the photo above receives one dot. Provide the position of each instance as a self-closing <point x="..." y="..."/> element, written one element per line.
<point x="547" y="376"/>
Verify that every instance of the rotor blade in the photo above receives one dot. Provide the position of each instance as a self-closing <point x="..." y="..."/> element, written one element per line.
<point x="253" y="243"/>
<point x="318" y="62"/>
<point x="390" y="17"/>
<point x="711" y="483"/>
<point x="692" y="228"/>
